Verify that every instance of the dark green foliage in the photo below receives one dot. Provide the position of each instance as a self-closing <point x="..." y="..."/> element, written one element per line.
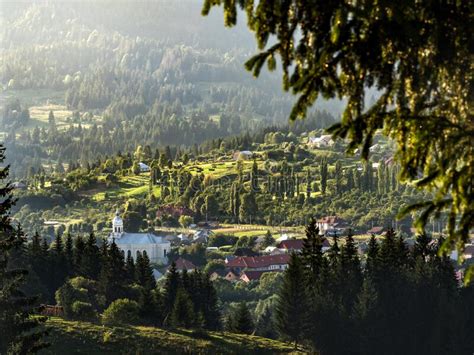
<point x="240" y="321"/>
<point x="111" y="281"/>
<point x="90" y="259"/>
<point x="144" y="272"/>
<point x="20" y="334"/>
<point x="387" y="308"/>
<point x="402" y="301"/>
<point x="324" y="175"/>
<point x="292" y="305"/>
<point x="171" y="287"/>
<point x="200" y="291"/>
<point x="182" y="314"/>
<point x="311" y="254"/>
<point x="121" y="312"/>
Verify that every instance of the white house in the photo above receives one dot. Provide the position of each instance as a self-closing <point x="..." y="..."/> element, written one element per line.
<point x="143" y="167"/>
<point x="156" y="248"/>
<point x="243" y="154"/>
<point x="324" y="141"/>
<point x="328" y="223"/>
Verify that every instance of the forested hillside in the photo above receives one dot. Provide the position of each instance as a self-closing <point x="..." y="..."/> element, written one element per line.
<point x="166" y="79"/>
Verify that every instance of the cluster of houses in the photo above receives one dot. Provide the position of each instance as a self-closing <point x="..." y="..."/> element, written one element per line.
<point x="251" y="268"/>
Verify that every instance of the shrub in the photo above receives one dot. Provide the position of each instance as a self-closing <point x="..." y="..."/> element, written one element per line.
<point x="120" y="312"/>
<point x="83" y="311"/>
<point x="67" y="294"/>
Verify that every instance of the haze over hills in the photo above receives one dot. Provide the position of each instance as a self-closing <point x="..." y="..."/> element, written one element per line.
<point x="155" y="72"/>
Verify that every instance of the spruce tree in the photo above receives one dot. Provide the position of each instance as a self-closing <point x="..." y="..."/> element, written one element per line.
<point x="69" y="255"/>
<point x="209" y="308"/>
<point x="144" y="272"/>
<point x="372" y="252"/>
<point x="242" y="319"/>
<point x="182" y="314"/>
<point x="19" y="332"/>
<point x="172" y="283"/>
<point x="111" y="280"/>
<point x="79" y="247"/>
<point x="311" y="254"/>
<point x="57" y="264"/>
<point x="292" y="304"/>
<point x="90" y="261"/>
<point x="130" y="268"/>
<point x="350" y="283"/>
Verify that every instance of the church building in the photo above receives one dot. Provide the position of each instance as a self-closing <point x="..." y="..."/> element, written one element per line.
<point x="157" y="248"/>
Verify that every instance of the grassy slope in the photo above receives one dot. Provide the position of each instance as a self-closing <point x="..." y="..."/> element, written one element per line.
<point x="72" y="337"/>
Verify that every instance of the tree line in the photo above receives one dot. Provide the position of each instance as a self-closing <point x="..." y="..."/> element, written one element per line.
<point x="398" y="300"/>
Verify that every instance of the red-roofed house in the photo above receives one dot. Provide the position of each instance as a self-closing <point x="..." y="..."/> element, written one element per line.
<point x="183" y="264"/>
<point x="231" y="276"/>
<point x="248" y="276"/>
<point x="259" y="263"/>
<point x="291" y="245"/>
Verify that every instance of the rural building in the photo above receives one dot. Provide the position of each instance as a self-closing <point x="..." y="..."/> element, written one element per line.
<point x="259" y="263"/>
<point x="376" y="230"/>
<point x="183" y="264"/>
<point x="156" y="248"/>
<point x="328" y="223"/>
<point x="143" y="167"/>
<point x="19" y="185"/>
<point x="324" y="141"/>
<point x="291" y="245"/>
<point x="243" y="154"/>
<point x="232" y="276"/>
<point x="221" y="273"/>
<point x="248" y="276"/>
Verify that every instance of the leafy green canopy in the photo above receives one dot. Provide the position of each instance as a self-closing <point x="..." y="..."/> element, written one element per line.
<point x="416" y="54"/>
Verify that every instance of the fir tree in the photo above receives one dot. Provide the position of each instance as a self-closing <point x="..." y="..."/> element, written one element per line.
<point x="182" y="314"/>
<point x="69" y="255"/>
<point x="311" y="254"/>
<point x="292" y="304"/>
<point x="242" y="319"/>
<point x="144" y="272"/>
<point x="90" y="261"/>
<point x="20" y="333"/>
<point x="79" y="247"/>
<point x="111" y="281"/>
<point x="172" y="283"/>
<point x="130" y="268"/>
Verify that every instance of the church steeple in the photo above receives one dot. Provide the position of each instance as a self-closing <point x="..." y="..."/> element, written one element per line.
<point x="117" y="225"/>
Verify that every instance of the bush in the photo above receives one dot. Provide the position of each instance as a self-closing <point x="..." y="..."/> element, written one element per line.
<point x="120" y="312"/>
<point x="83" y="311"/>
<point x="67" y="295"/>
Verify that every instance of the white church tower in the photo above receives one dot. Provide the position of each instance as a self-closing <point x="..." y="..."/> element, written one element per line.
<point x="156" y="247"/>
<point x="117" y="226"/>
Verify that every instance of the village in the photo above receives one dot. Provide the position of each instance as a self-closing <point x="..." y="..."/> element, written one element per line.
<point x="265" y="253"/>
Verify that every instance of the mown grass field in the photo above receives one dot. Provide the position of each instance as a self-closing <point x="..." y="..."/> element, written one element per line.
<point x="73" y="337"/>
